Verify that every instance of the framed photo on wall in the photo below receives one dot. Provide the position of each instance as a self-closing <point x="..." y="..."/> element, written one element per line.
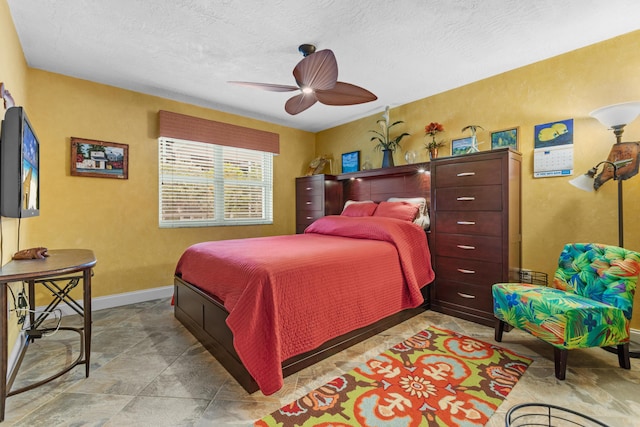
<point x="351" y="162"/>
<point x="99" y="159"/>
<point x="505" y="138"/>
<point x="461" y="146"/>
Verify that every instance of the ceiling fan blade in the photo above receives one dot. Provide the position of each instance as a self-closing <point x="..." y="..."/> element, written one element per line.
<point x="345" y="94"/>
<point x="319" y="70"/>
<point x="266" y="86"/>
<point x="299" y="103"/>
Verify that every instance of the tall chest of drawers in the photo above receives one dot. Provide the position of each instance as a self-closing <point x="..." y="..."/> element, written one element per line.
<point x="316" y="196"/>
<point x="476" y="238"/>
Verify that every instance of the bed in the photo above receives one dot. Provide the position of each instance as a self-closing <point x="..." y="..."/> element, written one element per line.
<point x="267" y="307"/>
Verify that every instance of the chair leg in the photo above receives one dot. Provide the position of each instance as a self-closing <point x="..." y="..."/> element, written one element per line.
<point x="623" y="356"/>
<point x="560" y="359"/>
<point x="499" y="329"/>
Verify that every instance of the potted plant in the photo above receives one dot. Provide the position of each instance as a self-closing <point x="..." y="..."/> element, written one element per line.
<point x="385" y="143"/>
<point x="431" y="130"/>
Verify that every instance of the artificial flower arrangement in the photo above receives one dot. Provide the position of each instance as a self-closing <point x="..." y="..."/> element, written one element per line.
<point x="474" y="139"/>
<point x="384" y="140"/>
<point x="472" y="128"/>
<point x="432" y="129"/>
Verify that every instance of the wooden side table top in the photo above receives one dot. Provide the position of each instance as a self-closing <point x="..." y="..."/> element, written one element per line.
<point x="59" y="262"/>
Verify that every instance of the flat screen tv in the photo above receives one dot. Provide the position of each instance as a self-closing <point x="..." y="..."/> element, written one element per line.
<point x="19" y="166"/>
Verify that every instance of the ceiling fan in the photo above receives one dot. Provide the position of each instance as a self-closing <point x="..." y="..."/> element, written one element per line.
<point x="317" y="79"/>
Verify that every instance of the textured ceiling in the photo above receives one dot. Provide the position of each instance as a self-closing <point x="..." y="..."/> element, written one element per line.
<point x="400" y="50"/>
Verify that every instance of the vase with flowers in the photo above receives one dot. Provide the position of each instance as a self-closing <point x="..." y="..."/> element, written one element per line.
<point x="431" y="130"/>
<point x="387" y="144"/>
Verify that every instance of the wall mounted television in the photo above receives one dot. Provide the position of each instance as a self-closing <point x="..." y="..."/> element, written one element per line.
<point x="19" y="166"/>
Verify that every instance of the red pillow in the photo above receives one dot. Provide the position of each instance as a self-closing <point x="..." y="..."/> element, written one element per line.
<point x="400" y="210"/>
<point x="360" y="209"/>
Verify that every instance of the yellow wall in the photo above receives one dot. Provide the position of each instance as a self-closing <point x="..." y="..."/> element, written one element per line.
<point x="13" y="72"/>
<point x="564" y="87"/>
<point x="118" y="219"/>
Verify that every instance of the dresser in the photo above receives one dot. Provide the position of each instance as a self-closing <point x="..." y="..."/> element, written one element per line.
<point x="476" y="239"/>
<point x="316" y="196"/>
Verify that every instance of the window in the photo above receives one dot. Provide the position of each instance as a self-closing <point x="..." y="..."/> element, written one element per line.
<point x="204" y="184"/>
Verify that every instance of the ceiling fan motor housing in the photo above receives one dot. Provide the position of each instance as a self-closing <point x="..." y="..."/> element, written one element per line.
<point x="306" y="49"/>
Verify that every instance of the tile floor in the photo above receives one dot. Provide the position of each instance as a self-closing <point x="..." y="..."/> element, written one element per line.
<point x="147" y="370"/>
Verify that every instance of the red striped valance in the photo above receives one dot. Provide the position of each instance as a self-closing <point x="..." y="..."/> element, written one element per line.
<point x="180" y="126"/>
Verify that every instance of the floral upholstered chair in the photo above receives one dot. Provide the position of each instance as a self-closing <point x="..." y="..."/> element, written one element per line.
<point x="588" y="305"/>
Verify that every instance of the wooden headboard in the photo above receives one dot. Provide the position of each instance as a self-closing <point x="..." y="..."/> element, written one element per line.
<point x="412" y="180"/>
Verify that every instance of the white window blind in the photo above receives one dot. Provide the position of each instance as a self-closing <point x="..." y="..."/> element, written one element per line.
<point x="205" y="184"/>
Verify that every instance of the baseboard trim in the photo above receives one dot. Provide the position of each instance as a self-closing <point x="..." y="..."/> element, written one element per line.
<point x="127" y="298"/>
<point x="98" y="303"/>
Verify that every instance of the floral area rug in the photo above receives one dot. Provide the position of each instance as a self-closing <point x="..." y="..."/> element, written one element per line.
<point x="435" y="378"/>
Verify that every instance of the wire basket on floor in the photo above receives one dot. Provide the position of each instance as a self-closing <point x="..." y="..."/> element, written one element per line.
<point x="533" y="277"/>
<point x="541" y="414"/>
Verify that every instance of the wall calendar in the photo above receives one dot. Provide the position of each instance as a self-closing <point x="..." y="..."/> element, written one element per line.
<point x="553" y="149"/>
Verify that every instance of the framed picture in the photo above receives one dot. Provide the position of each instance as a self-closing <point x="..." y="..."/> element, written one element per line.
<point x="461" y="146"/>
<point x="99" y="159"/>
<point x="351" y="162"/>
<point x="505" y="138"/>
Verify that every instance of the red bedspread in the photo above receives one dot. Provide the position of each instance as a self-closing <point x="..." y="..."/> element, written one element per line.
<point x="289" y="294"/>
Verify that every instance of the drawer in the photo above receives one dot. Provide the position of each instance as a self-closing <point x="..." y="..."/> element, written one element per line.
<point x="308" y="216"/>
<point x="190" y="303"/>
<point x="478" y="198"/>
<point x="305" y="218"/>
<point x="486" y="172"/>
<point x="486" y="223"/>
<point x="472" y="296"/>
<point x="482" y="248"/>
<point x="311" y="203"/>
<point x="307" y="192"/>
<point x="215" y="326"/>
<point x="311" y="183"/>
<point x="468" y="270"/>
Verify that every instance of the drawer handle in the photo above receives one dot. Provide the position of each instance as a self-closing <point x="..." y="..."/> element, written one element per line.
<point x="466" y="174"/>
<point x="465" y="199"/>
<point x="466" y="247"/>
<point x="308" y="188"/>
<point x="466" y="223"/>
<point x="466" y="296"/>
<point x="462" y="270"/>
<point x="307" y="203"/>
<point x="309" y="217"/>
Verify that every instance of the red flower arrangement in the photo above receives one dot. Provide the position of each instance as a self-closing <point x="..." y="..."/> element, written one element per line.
<point x="432" y="129"/>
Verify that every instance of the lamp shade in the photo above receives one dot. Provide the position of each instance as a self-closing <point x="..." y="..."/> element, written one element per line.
<point x="583" y="182"/>
<point x="617" y="114"/>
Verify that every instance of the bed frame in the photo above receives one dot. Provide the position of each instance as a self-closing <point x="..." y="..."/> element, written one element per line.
<point x="204" y="315"/>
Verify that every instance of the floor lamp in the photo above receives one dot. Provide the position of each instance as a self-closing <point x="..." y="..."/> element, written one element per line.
<point x="621" y="164"/>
